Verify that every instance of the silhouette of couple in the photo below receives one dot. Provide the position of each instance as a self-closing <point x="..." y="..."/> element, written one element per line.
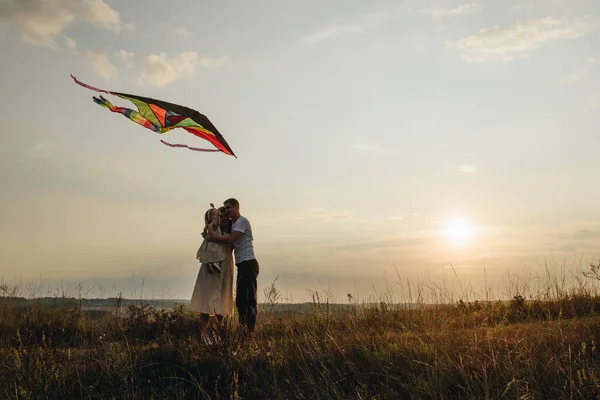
<point x="226" y="234"/>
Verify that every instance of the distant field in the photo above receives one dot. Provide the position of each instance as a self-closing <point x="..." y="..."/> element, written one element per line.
<point x="111" y="305"/>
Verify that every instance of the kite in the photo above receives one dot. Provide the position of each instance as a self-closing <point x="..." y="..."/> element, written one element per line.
<point x="161" y="117"/>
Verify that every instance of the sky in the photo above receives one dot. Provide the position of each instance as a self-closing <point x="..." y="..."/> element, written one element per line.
<point x="378" y="143"/>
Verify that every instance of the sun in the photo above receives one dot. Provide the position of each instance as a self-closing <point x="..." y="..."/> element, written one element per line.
<point x="458" y="230"/>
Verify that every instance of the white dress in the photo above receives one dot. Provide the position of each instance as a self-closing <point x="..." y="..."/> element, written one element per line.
<point x="213" y="293"/>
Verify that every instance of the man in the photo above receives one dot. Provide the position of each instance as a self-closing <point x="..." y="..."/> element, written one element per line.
<point x="247" y="265"/>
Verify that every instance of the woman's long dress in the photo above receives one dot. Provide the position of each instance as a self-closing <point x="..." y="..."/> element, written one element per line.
<point x="213" y="293"/>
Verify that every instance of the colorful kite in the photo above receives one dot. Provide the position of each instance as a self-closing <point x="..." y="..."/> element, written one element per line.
<point x="160" y="116"/>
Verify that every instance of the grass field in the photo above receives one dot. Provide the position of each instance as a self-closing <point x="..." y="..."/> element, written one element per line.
<point x="530" y="347"/>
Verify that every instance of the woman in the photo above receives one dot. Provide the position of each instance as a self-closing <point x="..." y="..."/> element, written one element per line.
<point x="213" y="291"/>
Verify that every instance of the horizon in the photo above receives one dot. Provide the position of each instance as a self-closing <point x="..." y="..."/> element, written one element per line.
<point x="451" y="143"/>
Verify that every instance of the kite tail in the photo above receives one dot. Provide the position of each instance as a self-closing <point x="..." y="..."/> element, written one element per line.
<point x="103" y="102"/>
<point x="188" y="147"/>
<point x="128" y="112"/>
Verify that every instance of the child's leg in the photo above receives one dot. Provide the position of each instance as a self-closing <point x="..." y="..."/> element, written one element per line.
<point x="209" y="268"/>
<point x="216" y="266"/>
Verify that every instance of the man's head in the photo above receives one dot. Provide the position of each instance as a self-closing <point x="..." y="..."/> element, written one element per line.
<point x="232" y="208"/>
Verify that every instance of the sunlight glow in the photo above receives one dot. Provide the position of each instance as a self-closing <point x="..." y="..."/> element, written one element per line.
<point x="458" y="230"/>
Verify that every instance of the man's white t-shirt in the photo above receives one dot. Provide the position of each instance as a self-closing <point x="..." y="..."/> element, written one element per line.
<point x="243" y="246"/>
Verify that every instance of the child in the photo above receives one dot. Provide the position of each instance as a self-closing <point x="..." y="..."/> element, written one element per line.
<point x="211" y="253"/>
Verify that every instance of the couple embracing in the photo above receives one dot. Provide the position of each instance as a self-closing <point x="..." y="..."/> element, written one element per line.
<point x="226" y="233"/>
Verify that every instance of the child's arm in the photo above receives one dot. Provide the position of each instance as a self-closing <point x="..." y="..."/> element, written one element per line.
<point x="215" y="221"/>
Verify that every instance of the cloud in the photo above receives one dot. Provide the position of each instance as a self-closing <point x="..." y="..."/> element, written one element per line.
<point x="323" y="214"/>
<point x="570" y="79"/>
<point x="102" y="16"/>
<point x="363" y="147"/>
<point x="347" y="26"/>
<point x="530" y="5"/>
<point x="586" y="234"/>
<point x="42" y="22"/>
<point x="332" y="32"/>
<point x="506" y="43"/>
<point x="579" y="74"/>
<point x="69" y="44"/>
<point x="183" y="32"/>
<point x="521" y="6"/>
<point x="377" y="244"/>
<point x="101" y="64"/>
<point x="319" y="214"/>
<point x="463" y="9"/>
<point x="39" y="22"/>
<point x="160" y="70"/>
<point x="126" y="57"/>
<point x="467" y="169"/>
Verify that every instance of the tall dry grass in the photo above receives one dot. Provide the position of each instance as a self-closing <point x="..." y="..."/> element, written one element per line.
<point x="536" y="344"/>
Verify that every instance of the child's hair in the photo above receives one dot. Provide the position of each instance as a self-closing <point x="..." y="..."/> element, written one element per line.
<point x="207" y="214"/>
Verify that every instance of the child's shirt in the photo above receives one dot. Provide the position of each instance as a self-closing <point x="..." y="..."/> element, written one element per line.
<point x="211" y="251"/>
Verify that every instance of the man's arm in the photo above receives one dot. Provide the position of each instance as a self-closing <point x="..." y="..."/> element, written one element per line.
<point x="224" y="239"/>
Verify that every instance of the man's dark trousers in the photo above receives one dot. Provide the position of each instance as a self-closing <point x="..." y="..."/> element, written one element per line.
<point x="245" y="295"/>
